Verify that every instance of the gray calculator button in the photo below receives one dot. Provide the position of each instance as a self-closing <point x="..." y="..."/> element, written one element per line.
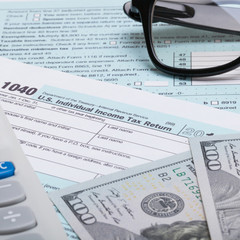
<point x="30" y="236"/>
<point x="11" y="193"/>
<point x="16" y="219"/>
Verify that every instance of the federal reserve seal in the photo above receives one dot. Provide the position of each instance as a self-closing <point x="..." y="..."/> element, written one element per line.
<point x="162" y="204"/>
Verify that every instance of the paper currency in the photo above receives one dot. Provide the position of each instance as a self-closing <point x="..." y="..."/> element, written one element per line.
<point x="217" y="163"/>
<point x="160" y="200"/>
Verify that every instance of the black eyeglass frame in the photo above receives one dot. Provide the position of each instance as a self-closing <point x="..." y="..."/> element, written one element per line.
<point x="144" y="11"/>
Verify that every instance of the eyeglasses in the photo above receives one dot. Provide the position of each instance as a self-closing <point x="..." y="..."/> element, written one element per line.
<point x="190" y="38"/>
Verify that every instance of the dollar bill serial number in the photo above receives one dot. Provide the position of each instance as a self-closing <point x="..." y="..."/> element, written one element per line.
<point x="186" y="180"/>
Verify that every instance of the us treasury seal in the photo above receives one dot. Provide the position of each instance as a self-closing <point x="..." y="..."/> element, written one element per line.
<point x="162" y="204"/>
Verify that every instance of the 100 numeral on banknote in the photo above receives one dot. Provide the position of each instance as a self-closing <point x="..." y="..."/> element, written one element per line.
<point x="217" y="163"/>
<point x="160" y="200"/>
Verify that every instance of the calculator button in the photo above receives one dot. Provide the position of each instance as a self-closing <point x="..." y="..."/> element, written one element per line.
<point x="6" y="169"/>
<point x="30" y="236"/>
<point x="16" y="219"/>
<point x="11" y="193"/>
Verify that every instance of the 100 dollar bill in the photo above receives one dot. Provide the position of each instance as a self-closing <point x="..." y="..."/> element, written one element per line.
<point x="217" y="163"/>
<point x="160" y="200"/>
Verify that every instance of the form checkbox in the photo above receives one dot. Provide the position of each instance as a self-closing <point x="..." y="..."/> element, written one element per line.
<point x="36" y="17"/>
<point x="214" y="102"/>
<point x="167" y="41"/>
<point x="138" y="83"/>
<point x="113" y="42"/>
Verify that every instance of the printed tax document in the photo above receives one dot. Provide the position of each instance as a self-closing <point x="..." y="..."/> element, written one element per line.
<point x="78" y="129"/>
<point x="74" y="129"/>
<point x="97" y="40"/>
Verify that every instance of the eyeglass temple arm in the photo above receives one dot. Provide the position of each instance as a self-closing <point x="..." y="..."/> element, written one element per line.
<point x="168" y="9"/>
<point x="177" y="8"/>
<point x="203" y="2"/>
<point x="193" y="14"/>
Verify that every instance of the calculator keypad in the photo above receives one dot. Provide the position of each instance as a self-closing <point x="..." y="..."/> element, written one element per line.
<point x="16" y="219"/>
<point x="13" y="218"/>
<point x="11" y="193"/>
<point x="26" y="212"/>
<point x="6" y="169"/>
<point x="27" y="237"/>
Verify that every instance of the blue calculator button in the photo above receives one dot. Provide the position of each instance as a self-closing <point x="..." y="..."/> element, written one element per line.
<point x="6" y="169"/>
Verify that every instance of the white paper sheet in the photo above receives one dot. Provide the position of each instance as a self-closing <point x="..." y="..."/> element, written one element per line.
<point x="78" y="129"/>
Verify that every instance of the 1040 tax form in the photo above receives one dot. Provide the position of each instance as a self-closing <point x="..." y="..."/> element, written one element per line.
<point x="74" y="129"/>
<point x="77" y="129"/>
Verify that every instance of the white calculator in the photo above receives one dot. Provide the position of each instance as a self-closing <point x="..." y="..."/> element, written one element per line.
<point x="26" y="213"/>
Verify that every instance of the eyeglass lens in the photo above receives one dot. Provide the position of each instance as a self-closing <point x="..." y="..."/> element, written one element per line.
<point x="198" y="46"/>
